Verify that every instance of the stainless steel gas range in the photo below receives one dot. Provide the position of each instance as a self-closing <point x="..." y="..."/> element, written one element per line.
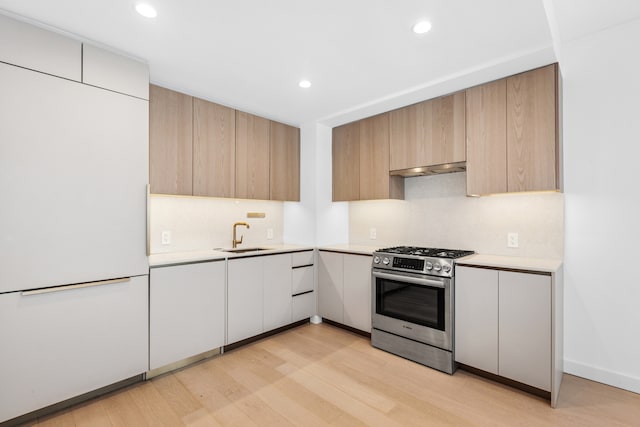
<point x="412" y="303"/>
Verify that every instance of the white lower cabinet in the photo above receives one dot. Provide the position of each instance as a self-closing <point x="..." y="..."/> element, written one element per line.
<point x="245" y="298"/>
<point x="503" y="324"/>
<point x="344" y="289"/>
<point x="62" y="344"/>
<point x="277" y="291"/>
<point x="187" y="311"/>
<point x="268" y="292"/>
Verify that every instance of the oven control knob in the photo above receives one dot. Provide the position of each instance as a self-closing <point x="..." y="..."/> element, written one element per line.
<point x="429" y="266"/>
<point x="385" y="261"/>
<point x="437" y="267"/>
<point x="376" y="259"/>
<point x="446" y="268"/>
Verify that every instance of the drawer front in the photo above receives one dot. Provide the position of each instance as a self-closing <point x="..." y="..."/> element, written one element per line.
<point x="303" y="306"/>
<point x="302" y="258"/>
<point x="302" y="280"/>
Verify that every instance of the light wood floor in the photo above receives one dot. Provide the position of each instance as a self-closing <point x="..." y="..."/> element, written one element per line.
<point x="317" y="375"/>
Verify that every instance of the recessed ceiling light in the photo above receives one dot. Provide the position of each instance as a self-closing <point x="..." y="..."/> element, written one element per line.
<point x="422" y="27"/>
<point x="146" y="10"/>
<point x="304" y="84"/>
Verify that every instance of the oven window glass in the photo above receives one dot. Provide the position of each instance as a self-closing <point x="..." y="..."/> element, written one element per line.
<point x="422" y="305"/>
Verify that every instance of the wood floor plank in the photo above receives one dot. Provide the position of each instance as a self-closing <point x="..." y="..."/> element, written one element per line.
<point x="317" y="375"/>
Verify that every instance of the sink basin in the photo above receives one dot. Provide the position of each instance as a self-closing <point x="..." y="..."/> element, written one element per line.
<point x="243" y="250"/>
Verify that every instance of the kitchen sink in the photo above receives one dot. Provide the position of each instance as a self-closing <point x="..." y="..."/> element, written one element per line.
<point x="243" y="250"/>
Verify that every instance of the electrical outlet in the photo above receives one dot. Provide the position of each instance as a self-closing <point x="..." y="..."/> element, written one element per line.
<point x="269" y="233"/>
<point x="373" y="233"/>
<point x="166" y="237"/>
<point x="512" y="240"/>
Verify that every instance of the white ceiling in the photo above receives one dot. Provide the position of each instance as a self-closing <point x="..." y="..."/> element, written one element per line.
<point x="360" y="55"/>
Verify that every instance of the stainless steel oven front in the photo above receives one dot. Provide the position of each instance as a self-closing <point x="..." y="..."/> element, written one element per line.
<point x="414" y="306"/>
<point x="412" y="317"/>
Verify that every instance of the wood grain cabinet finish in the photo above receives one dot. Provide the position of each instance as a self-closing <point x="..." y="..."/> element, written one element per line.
<point x="284" y="162"/>
<point x="170" y="142"/>
<point x="487" y="138"/>
<point x="346" y="162"/>
<point x="214" y="149"/>
<point x="375" y="181"/>
<point x="361" y="161"/>
<point x="252" y="156"/>
<point x="428" y="133"/>
<point x="513" y="134"/>
<point x="532" y="130"/>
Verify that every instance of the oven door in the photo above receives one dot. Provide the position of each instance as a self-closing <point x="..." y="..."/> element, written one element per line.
<point x="414" y="306"/>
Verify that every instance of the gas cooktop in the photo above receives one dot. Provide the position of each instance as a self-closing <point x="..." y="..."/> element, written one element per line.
<point x="426" y="252"/>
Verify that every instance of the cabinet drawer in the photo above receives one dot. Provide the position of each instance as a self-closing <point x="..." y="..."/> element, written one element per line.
<point x="299" y="259"/>
<point x="63" y="344"/>
<point x="302" y="280"/>
<point x="303" y="306"/>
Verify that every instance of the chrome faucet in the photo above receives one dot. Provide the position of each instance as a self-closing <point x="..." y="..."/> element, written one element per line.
<point x="236" y="242"/>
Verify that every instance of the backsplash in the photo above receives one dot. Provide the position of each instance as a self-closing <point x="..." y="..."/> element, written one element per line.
<point x="436" y="212"/>
<point x="198" y="223"/>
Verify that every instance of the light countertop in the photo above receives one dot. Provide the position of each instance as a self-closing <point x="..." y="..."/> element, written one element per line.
<point x="350" y="249"/>
<point x="508" y="262"/>
<point x="186" y="257"/>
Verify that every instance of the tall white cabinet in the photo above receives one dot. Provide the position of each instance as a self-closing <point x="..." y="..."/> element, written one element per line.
<point x="73" y="178"/>
<point x="509" y="323"/>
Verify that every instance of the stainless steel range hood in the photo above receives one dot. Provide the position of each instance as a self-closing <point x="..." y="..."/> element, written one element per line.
<point x="431" y="170"/>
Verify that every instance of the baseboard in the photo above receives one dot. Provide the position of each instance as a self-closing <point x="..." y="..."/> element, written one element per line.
<point x="604" y="376"/>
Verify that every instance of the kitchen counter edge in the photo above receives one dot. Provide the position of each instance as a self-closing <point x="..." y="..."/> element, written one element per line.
<point x="190" y="257"/>
<point x="542" y="265"/>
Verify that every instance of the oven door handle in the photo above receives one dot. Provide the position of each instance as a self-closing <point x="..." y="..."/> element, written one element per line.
<point x="409" y="279"/>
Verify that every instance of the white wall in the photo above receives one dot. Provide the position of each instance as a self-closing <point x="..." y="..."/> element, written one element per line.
<point x="601" y="152"/>
<point x="332" y="225"/>
<point x="300" y="217"/>
<point x="437" y="213"/>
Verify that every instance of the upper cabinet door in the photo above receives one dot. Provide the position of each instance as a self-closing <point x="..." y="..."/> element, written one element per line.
<point x="38" y="49"/>
<point x="214" y="154"/>
<point x="252" y="156"/>
<point x="170" y="142"/>
<point x="428" y="133"/>
<point x="446" y="143"/>
<point x="532" y="155"/>
<point x="487" y="138"/>
<point x="284" y="162"/>
<point x="406" y="131"/>
<point x="118" y="73"/>
<point x="375" y="182"/>
<point x="346" y="162"/>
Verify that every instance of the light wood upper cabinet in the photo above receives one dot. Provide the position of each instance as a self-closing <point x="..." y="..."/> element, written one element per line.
<point x="346" y="162"/>
<point x="375" y="182"/>
<point x="532" y="137"/>
<point x="428" y="133"/>
<point x="252" y="156"/>
<point x="170" y="141"/>
<point x="214" y="149"/>
<point x="513" y="134"/>
<point x="284" y="163"/>
<point x="487" y="138"/>
<point x="361" y="161"/>
<point x="446" y="144"/>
